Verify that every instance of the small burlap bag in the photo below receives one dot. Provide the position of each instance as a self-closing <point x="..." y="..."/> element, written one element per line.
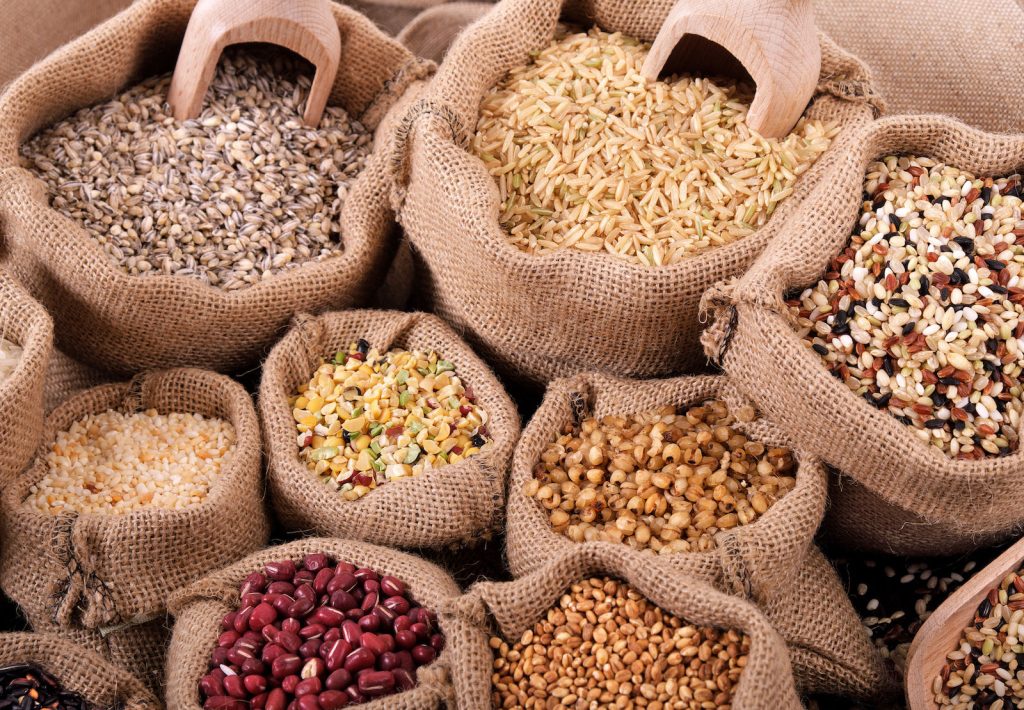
<point x="772" y="561"/>
<point x="200" y="607"/>
<point x="432" y="31"/>
<point x="514" y="607"/>
<point x="140" y="649"/>
<point x="123" y="323"/>
<point x="900" y="494"/>
<point x="78" y="669"/>
<point x="98" y="571"/>
<point x="540" y="317"/>
<point x="451" y="504"/>
<point x="756" y="559"/>
<point x="25" y="322"/>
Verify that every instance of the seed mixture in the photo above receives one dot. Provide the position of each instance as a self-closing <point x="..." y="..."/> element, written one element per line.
<point x="114" y="463"/>
<point x="367" y="417"/>
<point x="318" y="635"/>
<point x="984" y="670"/>
<point x="26" y="687"/>
<point x="604" y="643"/>
<point x="10" y="356"/>
<point x="231" y="197"/>
<point x="588" y="155"/>
<point x="922" y="313"/>
<point x="895" y="595"/>
<point x="659" y="480"/>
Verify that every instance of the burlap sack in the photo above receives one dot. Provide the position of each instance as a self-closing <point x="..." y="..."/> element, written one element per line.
<point x="540" y="317"/>
<point x="944" y="56"/>
<point x="772" y="561"/>
<point x="756" y="559"/>
<point x="139" y="649"/>
<point x="123" y="323"/>
<point x="78" y="669"/>
<point x="901" y="495"/>
<point x="200" y="607"/>
<point x="451" y="504"/>
<point x="432" y="31"/>
<point x="514" y="607"/>
<point x="26" y="323"/>
<point x="99" y="571"/>
<point x="393" y="15"/>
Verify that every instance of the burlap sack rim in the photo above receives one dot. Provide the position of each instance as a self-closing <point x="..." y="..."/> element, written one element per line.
<point x="768" y="312"/>
<point x="833" y="86"/>
<point x="606" y="559"/>
<point x="433" y="596"/>
<point x="24" y="187"/>
<point x="16" y="493"/>
<point x="33" y="333"/>
<point x="135" y="695"/>
<point x="710" y="386"/>
<point x="287" y="464"/>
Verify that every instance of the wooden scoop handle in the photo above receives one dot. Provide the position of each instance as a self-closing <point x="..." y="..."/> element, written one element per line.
<point x="775" y="41"/>
<point x="306" y="27"/>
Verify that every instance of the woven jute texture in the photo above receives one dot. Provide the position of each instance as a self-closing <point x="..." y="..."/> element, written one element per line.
<point x="450" y="504"/>
<point x="78" y="669"/>
<point x="98" y="571"/>
<point x="123" y="323"/>
<point x="514" y="607"/>
<point x="943" y="56"/>
<point x="540" y="317"/>
<point x="200" y="607"/>
<point x="772" y="561"/>
<point x="139" y="649"/>
<point x="25" y="322"/>
<point x="901" y="495"/>
<point x="432" y="31"/>
<point x="393" y="15"/>
<point x="66" y="377"/>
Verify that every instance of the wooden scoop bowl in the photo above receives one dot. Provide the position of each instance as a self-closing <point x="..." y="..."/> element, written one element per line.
<point x="306" y="27"/>
<point x="775" y="41"/>
<point x="940" y="634"/>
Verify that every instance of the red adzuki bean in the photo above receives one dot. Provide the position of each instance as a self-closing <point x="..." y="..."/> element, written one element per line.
<point x="318" y="635"/>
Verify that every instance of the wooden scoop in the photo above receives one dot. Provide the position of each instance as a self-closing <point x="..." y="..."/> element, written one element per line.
<point x="306" y="27"/>
<point x="775" y="41"/>
<point x="940" y="634"/>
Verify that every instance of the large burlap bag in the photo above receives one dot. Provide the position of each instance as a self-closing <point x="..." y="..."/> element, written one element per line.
<point x="77" y="669"/>
<point x="200" y="607"/>
<point x="772" y="561"/>
<point x="540" y="317"/>
<point x="926" y="57"/>
<point x="123" y="323"/>
<point x="25" y="322"/>
<point x="98" y="571"/>
<point x="514" y="607"/>
<point x="451" y="504"/>
<point x="900" y="494"/>
<point x="66" y="377"/>
<point x="140" y="649"/>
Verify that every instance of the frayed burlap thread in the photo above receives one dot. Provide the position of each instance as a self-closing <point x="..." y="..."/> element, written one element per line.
<point x="766" y="682"/>
<point x="773" y="562"/>
<point x="540" y="317"/>
<point x="124" y="323"/>
<point x="899" y="494"/>
<point x="451" y="504"/>
<point x="200" y="607"/>
<point x="95" y="571"/>
<point x="78" y="669"/>
<point x="25" y="322"/>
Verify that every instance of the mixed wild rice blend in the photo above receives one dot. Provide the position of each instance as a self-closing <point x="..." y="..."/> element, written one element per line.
<point x="588" y="155"/>
<point x="244" y="190"/>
